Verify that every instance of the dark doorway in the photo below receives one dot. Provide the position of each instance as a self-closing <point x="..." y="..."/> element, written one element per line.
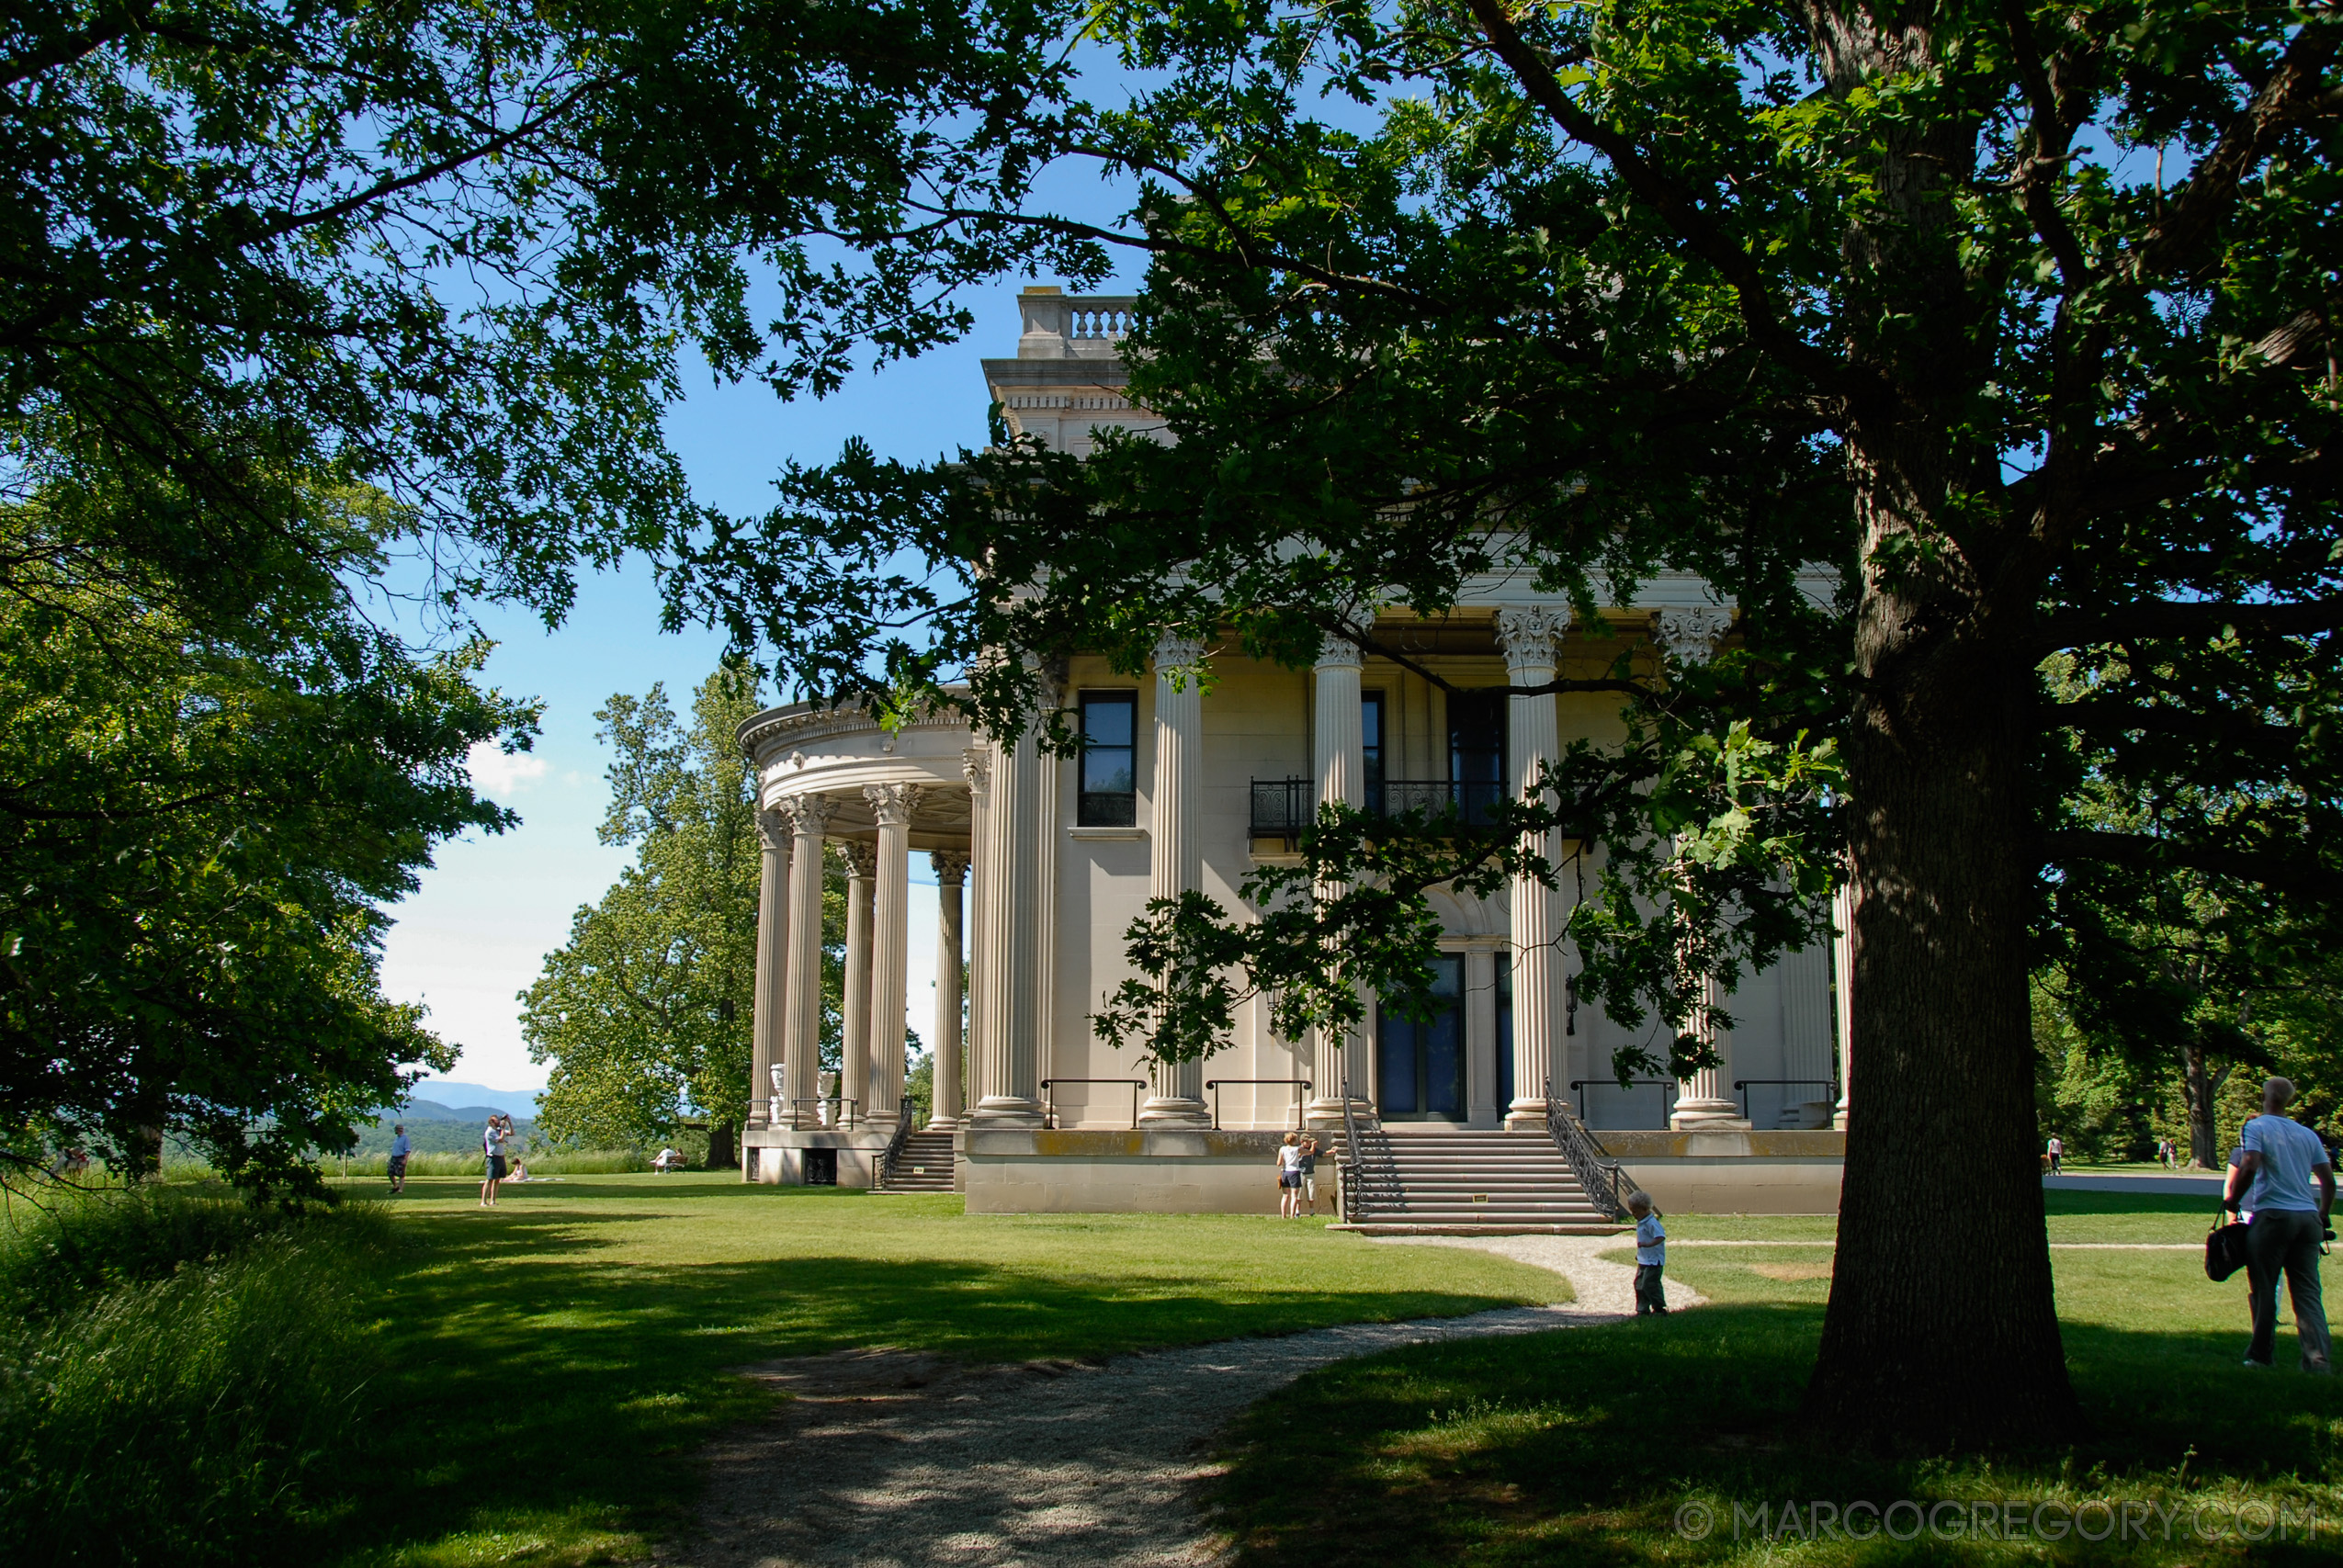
<point x="1476" y="752"/>
<point x="821" y="1168"/>
<point x="1422" y="1065"/>
<point x="1504" y="1031"/>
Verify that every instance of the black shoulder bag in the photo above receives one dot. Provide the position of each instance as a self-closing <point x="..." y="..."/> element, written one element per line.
<point x="2224" y="1249"/>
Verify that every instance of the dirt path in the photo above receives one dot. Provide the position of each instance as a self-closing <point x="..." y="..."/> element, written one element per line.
<point x="888" y="1458"/>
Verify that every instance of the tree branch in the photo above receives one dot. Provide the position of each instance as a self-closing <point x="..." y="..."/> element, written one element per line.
<point x="2165" y="618"/>
<point x="2285" y="873"/>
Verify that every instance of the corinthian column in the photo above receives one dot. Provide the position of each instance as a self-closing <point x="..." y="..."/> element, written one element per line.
<point x="892" y="803"/>
<point x="1527" y="636"/>
<point x="1175" y="863"/>
<point x="1012" y="933"/>
<point x="951" y="867"/>
<point x="976" y="764"/>
<point x="808" y="817"/>
<point x="767" y="1029"/>
<point x="1339" y="764"/>
<point x="1706" y="1099"/>
<point x="853" y="1077"/>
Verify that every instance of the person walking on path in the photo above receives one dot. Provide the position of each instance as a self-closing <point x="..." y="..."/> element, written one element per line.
<point x="401" y="1148"/>
<point x="1289" y="1177"/>
<point x="2057" y="1152"/>
<point x="1651" y="1256"/>
<point x="2284" y="1175"/>
<point x="491" y="1148"/>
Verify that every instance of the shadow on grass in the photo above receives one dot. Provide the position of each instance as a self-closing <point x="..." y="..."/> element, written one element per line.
<point x="2057" y="1200"/>
<point x="1582" y="1447"/>
<point x="545" y="1386"/>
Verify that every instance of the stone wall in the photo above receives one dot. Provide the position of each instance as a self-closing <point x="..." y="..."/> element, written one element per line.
<point x="1734" y="1172"/>
<point x="1037" y="1171"/>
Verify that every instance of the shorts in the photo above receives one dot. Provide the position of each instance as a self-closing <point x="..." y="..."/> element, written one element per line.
<point x="1289" y="1178"/>
<point x="496" y="1167"/>
<point x="398" y="1166"/>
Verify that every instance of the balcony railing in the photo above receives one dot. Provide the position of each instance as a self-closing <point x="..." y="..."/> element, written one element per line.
<point x="1282" y="808"/>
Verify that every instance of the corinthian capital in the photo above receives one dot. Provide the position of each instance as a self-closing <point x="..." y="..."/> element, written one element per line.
<point x="772" y="830"/>
<point x="1177" y="652"/>
<point x="951" y="865"/>
<point x="892" y="803"/>
<point x="976" y="766"/>
<point x="1339" y="653"/>
<point x="808" y="814"/>
<point x="1690" y="634"/>
<point x="862" y="859"/>
<point x="1526" y="632"/>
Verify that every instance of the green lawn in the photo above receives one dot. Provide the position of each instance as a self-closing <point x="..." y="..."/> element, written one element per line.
<point x="552" y="1367"/>
<point x="1582" y="1446"/>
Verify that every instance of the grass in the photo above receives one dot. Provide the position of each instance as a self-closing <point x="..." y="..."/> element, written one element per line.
<point x="1583" y="1446"/>
<point x="553" y="1367"/>
<point x="180" y="1374"/>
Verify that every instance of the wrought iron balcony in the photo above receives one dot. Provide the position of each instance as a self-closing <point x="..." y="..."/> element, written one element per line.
<point x="1283" y="809"/>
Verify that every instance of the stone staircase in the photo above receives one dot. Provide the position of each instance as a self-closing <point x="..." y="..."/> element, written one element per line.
<point x="1418" y="1178"/>
<point x="925" y="1165"/>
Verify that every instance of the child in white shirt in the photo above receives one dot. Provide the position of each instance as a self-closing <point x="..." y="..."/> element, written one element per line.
<point x="1652" y="1255"/>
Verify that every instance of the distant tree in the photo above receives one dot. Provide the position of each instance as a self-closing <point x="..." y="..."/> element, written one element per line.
<point x="200" y="827"/>
<point x="645" y="1014"/>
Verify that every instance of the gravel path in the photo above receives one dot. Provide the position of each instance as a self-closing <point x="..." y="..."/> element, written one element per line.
<point x="886" y="1458"/>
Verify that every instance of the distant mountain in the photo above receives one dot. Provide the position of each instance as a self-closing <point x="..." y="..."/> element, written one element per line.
<point x="432" y="1110"/>
<point x="446" y="1091"/>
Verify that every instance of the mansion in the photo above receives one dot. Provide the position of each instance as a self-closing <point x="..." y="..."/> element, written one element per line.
<point x="1044" y="862"/>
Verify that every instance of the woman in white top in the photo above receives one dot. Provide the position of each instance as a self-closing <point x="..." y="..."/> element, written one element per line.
<point x="1289" y="1177"/>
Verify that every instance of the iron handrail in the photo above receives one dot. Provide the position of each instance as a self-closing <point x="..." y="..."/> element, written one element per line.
<point x="851" y="1111"/>
<point x="1049" y="1097"/>
<point x="894" y="1152"/>
<point x="1670" y="1086"/>
<point x="1304" y="1087"/>
<point x="1743" y="1084"/>
<point x="1603" y="1181"/>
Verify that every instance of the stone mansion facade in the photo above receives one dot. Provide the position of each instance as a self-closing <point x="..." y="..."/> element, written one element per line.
<point x="1044" y="862"/>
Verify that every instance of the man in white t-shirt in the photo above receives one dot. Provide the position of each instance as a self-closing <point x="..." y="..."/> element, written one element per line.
<point x="2286" y="1177"/>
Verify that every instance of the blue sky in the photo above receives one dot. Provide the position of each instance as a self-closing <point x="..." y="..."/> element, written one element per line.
<point x="491" y="906"/>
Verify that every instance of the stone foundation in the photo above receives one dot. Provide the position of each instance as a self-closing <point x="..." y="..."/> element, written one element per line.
<point x="776" y="1156"/>
<point x="1188" y="1172"/>
<point x="1735" y="1172"/>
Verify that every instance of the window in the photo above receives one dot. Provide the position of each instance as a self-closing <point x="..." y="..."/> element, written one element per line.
<point x="1109" y="795"/>
<point x="1477" y="752"/>
<point x="1371" y="729"/>
<point x="1504" y="1031"/>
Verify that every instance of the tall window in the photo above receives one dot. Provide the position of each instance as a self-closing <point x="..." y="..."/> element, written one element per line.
<point x="1371" y="727"/>
<point x="1477" y="752"/>
<point x="1109" y="797"/>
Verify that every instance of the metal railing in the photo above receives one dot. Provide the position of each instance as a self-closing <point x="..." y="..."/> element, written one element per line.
<point x="1301" y="1086"/>
<point x="1283" y="809"/>
<point x="904" y="1121"/>
<point x="1049" y="1097"/>
<point x="1742" y="1085"/>
<point x="1370" y="1176"/>
<point x="1606" y="1184"/>
<point x="1667" y="1100"/>
<point x="844" y="1112"/>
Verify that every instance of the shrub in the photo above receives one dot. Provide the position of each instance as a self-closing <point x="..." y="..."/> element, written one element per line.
<point x="176" y="1375"/>
<point x="545" y="1162"/>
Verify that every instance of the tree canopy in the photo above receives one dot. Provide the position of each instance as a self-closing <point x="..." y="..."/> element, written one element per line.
<point x="2019" y="319"/>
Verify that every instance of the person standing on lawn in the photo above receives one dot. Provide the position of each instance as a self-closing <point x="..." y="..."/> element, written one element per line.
<point x="1310" y="1174"/>
<point x="1289" y="1177"/>
<point x="2285" y="1176"/>
<point x="491" y="1148"/>
<point x="2057" y="1151"/>
<point x="1652" y="1255"/>
<point x="401" y="1148"/>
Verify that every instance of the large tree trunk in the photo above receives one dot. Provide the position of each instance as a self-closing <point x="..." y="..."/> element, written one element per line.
<point x="1942" y="1325"/>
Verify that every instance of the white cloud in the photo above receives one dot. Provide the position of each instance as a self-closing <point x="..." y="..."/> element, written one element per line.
<point x="496" y="774"/>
